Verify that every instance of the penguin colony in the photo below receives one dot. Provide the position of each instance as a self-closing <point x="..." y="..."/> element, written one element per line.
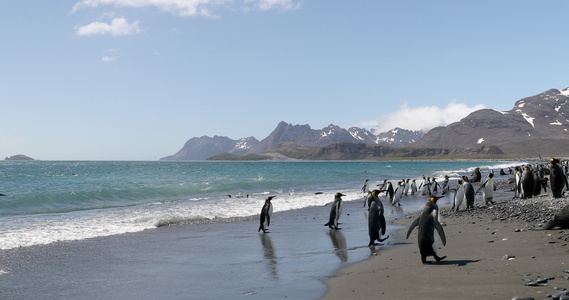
<point x="529" y="181"/>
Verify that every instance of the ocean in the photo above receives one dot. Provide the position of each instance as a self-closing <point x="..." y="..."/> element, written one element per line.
<point x="54" y="202"/>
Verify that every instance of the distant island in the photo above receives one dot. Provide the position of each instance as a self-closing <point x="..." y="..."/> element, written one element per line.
<point x="19" y="157"/>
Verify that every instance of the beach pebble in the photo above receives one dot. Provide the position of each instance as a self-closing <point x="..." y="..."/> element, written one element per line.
<point x="523" y="298"/>
<point x="517" y="230"/>
<point x="559" y="296"/>
<point x="508" y="257"/>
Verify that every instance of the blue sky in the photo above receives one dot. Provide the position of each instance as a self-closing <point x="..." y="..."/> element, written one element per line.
<point x="134" y="80"/>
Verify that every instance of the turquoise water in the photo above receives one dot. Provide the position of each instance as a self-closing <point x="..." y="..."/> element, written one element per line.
<point x="48" y="201"/>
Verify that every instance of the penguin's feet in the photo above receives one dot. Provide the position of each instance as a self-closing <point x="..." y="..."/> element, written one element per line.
<point x="381" y="240"/>
<point x="440" y="258"/>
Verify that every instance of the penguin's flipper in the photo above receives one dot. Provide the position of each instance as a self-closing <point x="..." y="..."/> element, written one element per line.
<point x="481" y="187"/>
<point x="268" y="220"/>
<point x="413" y="225"/>
<point x="441" y="232"/>
<point x="382" y="224"/>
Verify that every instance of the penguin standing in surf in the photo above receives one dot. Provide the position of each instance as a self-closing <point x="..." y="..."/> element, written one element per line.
<point x="557" y="178"/>
<point x="335" y="211"/>
<point x="458" y="195"/>
<point x="266" y="213"/>
<point x="488" y="188"/>
<point x="428" y="222"/>
<point x="376" y="220"/>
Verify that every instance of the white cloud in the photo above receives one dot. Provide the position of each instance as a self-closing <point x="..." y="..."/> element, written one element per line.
<point x="270" y="4"/>
<point x="423" y="117"/>
<point x="180" y="7"/>
<point x="185" y="8"/>
<point x="118" y="26"/>
<point x="108" y="58"/>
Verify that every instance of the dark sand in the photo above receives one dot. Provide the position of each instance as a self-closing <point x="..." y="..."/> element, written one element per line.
<point x="488" y="257"/>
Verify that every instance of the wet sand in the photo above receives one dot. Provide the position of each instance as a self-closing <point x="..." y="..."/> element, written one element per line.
<point x="488" y="257"/>
<point x="227" y="260"/>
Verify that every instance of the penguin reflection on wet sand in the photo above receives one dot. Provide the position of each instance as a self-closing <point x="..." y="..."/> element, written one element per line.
<point x="335" y="211"/>
<point x="266" y="213"/>
<point x="428" y="222"/>
<point x="376" y="221"/>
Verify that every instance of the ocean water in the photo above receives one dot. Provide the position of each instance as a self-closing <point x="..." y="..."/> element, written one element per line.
<point x="50" y="201"/>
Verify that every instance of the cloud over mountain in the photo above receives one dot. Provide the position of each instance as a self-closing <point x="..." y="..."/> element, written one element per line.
<point x="423" y="117"/>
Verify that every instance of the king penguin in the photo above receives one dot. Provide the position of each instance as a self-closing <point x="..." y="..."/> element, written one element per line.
<point x="557" y="178"/>
<point x="527" y="183"/>
<point x="488" y="188"/>
<point x="398" y="194"/>
<point x="266" y="213"/>
<point x="468" y="192"/>
<point x="376" y="220"/>
<point x="335" y="211"/>
<point x="458" y="195"/>
<point x="428" y="222"/>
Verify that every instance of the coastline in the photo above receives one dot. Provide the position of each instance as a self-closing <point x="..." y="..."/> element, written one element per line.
<point x="490" y="254"/>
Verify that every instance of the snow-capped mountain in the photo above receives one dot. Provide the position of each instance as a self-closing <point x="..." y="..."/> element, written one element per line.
<point x="536" y="125"/>
<point x="204" y="147"/>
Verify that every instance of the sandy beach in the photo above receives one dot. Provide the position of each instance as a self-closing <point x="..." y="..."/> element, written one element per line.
<point x="490" y="255"/>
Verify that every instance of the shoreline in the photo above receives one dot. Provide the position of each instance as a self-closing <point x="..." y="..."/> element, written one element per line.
<point x="492" y="252"/>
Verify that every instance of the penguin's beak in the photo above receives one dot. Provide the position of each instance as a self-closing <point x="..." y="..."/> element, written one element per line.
<point x="434" y="199"/>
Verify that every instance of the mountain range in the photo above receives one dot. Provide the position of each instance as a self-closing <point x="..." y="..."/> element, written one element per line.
<point x="536" y="125"/>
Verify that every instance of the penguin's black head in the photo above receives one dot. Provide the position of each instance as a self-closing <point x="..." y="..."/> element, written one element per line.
<point x="491" y="175"/>
<point x="554" y="161"/>
<point x="459" y="181"/>
<point x="434" y="199"/>
<point x="375" y="193"/>
<point x="339" y="195"/>
<point x="271" y="198"/>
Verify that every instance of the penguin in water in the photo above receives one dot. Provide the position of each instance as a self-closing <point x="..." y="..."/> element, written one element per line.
<point x="364" y="188"/>
<point x="468" y="192"/>
<point x="488" y="188"/>
<point x="335" y="211"/>
<point x="557" y="178"/>
<point x="376" y="220"/>
<point x="428" y="222"/>
<point x="458" y="195"/>
<point x="266" y="213"/>
<point x="527" y="183"/>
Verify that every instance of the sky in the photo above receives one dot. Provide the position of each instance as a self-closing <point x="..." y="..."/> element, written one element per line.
<point x="136" y="79"/>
